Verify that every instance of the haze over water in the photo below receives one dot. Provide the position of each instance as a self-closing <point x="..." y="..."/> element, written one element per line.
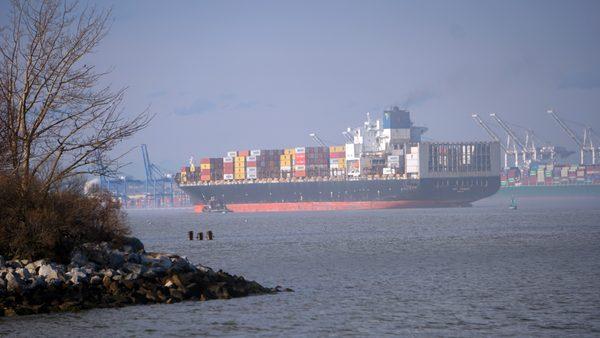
<point x="463" y="271"/>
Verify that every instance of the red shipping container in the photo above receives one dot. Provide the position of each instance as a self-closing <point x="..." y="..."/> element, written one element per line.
<point x="532" y="180"/>
<point x="205" y="160"/>
<point x="299" y="173"/>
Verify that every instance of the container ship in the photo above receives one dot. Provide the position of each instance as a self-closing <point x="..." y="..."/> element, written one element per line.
<point x="384" y="164"/>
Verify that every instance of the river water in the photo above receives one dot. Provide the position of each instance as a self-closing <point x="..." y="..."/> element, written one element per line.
<point x="483" y="270"/>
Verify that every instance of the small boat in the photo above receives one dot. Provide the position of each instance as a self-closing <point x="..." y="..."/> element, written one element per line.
<point x="216" y="207"/>
<point x="513" y="204"/>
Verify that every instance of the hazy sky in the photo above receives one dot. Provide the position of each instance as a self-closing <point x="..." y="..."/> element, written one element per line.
<point x="229" y="75"/>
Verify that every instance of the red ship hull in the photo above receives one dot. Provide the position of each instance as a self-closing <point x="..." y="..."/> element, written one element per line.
<point x="328" y="206"/>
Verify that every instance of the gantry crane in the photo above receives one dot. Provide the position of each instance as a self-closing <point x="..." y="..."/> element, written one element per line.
<point x="495" y="137"/>
<point x="318" y="140"/>
<point x="155" y="175"/>
<point x="585" y="145"/>
<point x="516" y="141"/>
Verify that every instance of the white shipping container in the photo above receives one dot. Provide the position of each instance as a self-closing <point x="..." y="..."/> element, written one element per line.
<point x="393" y="158"/>
<point x="411" y="169"/>
<point x="334" y="166"/>
<point x="299" y="167"/>
<point x="228" y="176"/>
<point x="231" y="153"/>
<point x="251" y="159"/>
<point x="251" y="169"/>
<point x="227" y="159"/>
<point x="255" y="152"/>
<point x="389" y="171"/>
<point x="351" y="151"/>
<point x="251" y="176"/>
<point x="300" y="150"/>
<point x="286" y="168"/>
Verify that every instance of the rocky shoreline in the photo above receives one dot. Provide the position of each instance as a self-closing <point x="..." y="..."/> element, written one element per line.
<point x="105" y="275"/>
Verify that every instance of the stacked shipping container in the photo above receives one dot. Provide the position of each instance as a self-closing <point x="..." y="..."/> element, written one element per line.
<point x="337" y="160"/>
<point x="211" y="169"/>
<point x="552" y="174"/>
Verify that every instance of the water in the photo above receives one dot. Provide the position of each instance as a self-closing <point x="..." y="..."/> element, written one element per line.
<point x="484" y="270"/>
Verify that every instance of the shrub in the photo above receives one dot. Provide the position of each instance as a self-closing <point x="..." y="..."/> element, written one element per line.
<point x="36" y="224"/>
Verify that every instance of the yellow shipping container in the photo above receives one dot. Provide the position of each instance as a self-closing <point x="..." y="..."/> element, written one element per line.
<point x="205" y="166"/>
<point x="290" y="151"/>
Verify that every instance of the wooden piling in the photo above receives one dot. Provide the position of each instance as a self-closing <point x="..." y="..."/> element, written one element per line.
<point x="191" y="235"/>
<point x="209" y="234"/>
<point x="200" y="235"/>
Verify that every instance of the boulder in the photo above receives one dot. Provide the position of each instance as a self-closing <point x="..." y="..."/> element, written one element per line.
<point x="134" y="258"/>
<point x="14" y="283"/>
<point x="95" y="280"/>
<point x="116" y="259"/>
<point x="32" y="268"/>
<point x="77" y="276"/>
<point x="23" y="273"/>
<point x="49" y="272"/>
<point x="132" y="244"/>
<point x="182" y="265"/>
<point x="78" y="258"/>
<point x="37" y="282"/>
<point x="137" y="269"/>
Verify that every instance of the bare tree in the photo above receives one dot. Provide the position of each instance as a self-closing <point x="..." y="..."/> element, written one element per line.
<point x="57" y="120"/>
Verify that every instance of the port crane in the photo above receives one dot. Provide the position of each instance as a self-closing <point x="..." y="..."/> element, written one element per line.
<point x="585" y="145"/>
<point x="495" y="137"/>
<point x="155" y="175"/>
<point x="317" y="139"/>
<point x="513" y="141"/>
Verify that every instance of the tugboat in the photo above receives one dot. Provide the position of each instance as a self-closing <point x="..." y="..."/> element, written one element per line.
<point x="513" y="204"/>
<point x="216" y="206"/>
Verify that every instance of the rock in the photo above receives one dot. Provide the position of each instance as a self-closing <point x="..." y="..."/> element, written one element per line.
<point x="78" y="258"/>
<point x="13" y="282"/>
<point x="182" y="265"/>
<point x="32" y="268"/>
<point x="78" y="276"/>
<point x="23" y="273"/>
<point x="132" y="244"/>
<point x="2" y="262"/>
<point x="96" y="253"/>
<point x="134" y="258"/>
<point x="134" y="268"/>
<point x="101" y="275"/>
<point x="49" y="272"/>
<point x="37" y="282"/>
<point x="15" y="264"/>
<point x="154" y="271"/>
<point x="116" y="259"/>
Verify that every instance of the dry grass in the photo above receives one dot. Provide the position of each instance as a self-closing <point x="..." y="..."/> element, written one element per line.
<point x="34" y="224"/>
